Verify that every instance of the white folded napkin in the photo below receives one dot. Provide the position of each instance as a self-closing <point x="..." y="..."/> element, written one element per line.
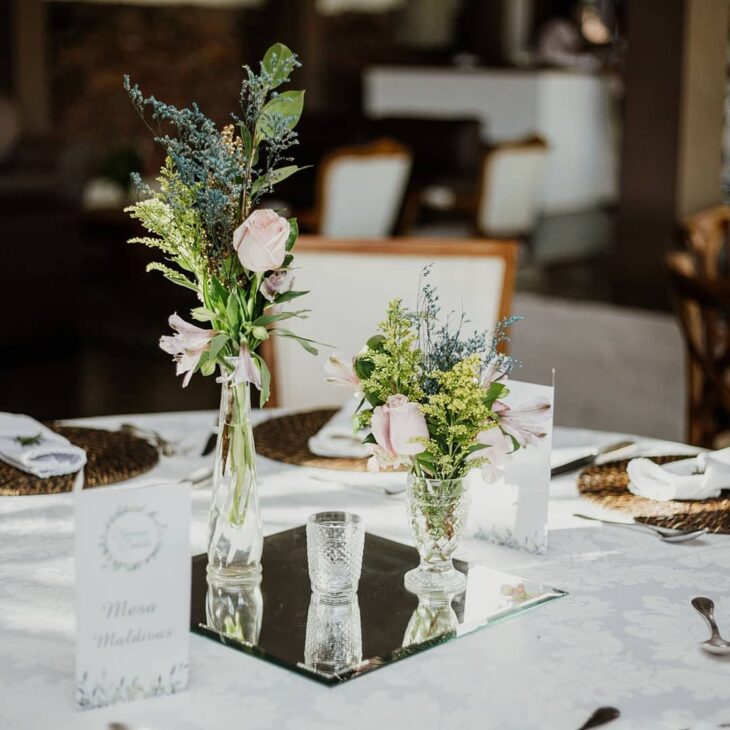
<point x="663" y="483"/>
<point x="34" y="448"/>
<point x="337" y="438"/>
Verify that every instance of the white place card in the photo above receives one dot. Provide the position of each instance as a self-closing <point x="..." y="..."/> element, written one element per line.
<point x="132" y="593"/>
<point x="514" y="511"/>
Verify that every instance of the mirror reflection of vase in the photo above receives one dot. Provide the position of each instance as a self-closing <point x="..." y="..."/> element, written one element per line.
<point x="333" y="642"/>
<point x="434" y="616"/>
<point x="235" y="611"/>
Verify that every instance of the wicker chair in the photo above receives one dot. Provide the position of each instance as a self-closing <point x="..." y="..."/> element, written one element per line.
<point x="703" y="306"/>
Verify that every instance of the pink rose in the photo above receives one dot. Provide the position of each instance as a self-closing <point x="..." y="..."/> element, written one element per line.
<point x="400" y="431"/>
<point x="260" y="241"/>
<point x="186" y="346"/>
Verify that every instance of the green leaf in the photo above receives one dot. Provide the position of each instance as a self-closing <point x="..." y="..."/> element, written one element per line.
<point x="288" y="296"/>
<point x="363" y="367"/>
<point x="293" y="234"/>
<point x="202" y="314"/>
<point x="265" y="379"/>
<point x="288" y="105"/>
<point x="369" y="439"/>
<point x="218" y="293"/>
<point x="278" y="63"/>
<point x="233" y="314"/>
<point x="217" y="344"/>
<point x="265" y="319"/>
<point x="287" y="261"/>
<point x="306" y="343"/>
<point x="274" y="177"/>
<point x="282" y="173"/>
<point x="376" y="342"/>
<point x="247" y="141"/>
<point x="495" y="391"/>
<point x="207" y="364"/>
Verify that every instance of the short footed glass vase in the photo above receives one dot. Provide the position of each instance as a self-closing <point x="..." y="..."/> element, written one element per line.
<point x="437" y="513"/>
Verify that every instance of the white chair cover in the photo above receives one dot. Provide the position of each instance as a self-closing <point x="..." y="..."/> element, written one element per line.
<point x="362" y="194"/>
<point x="349" y="294"/>
<point x="510" y="189"/>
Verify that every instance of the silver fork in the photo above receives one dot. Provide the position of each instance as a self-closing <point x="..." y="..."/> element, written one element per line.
<point x="663" y="533"/>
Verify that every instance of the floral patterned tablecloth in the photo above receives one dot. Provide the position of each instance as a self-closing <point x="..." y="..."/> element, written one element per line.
<point x="625" y="636"/>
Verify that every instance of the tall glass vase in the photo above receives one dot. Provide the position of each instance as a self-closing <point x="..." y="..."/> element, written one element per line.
<point x="437" y="514"/>
<point x="235" y="537"/>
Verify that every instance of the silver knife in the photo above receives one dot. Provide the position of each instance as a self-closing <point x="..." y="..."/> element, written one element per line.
<point x="613" y="450"/>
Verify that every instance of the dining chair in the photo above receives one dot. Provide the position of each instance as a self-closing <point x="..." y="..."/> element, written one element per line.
<point x="350" y="284"/>
<point x="707" y="237"/>
<point x="508" y="194"/>
<point x="703" y="306"/>
<point x="360" y="190"/>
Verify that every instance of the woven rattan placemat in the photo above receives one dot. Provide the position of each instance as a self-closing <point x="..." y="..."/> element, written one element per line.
<point x="285" y="439"/>
<point x="112" y="457"/>
<point x="607" y="484"/>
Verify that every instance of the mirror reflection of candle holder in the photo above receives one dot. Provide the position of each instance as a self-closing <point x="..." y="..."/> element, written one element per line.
<point x="235" y="611"/>
<point x="335" y="543"/>
<point x="435" y="616"/>
<point x="333" y="641"/>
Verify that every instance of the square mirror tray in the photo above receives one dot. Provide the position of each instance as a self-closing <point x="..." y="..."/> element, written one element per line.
<point x="282" y="622"/>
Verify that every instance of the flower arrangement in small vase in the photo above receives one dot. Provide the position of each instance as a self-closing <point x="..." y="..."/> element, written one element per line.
<point x="433" y="403"/>
<point x="236" y="258"/>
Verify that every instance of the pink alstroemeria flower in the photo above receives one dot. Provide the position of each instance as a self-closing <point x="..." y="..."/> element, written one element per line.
<point x="400" y="431"/>
<point x="186" y="346"/>
<point x="278" y="282"/>
<point x="246" y="370"/>
<point x="496" y="370"/>
<point x="340" y="372"/>
<point x="524" y="422"/>
<point x="497" y="447"/>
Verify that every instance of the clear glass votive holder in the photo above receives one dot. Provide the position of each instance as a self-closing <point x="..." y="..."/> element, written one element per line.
<point x="335" y="543"/>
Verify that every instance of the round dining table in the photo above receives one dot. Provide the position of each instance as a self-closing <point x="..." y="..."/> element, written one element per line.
<point x="626" y="636"/>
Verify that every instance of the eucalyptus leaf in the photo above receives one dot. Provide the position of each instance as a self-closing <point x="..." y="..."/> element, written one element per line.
<point x="278" y="64"/>
<point x="287" y="105"/>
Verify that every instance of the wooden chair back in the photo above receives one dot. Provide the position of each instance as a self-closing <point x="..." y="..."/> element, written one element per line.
<point x="351" y="283"/>
<point x="703" y="306"/>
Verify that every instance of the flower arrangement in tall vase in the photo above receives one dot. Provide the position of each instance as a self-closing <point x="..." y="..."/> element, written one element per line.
<point x="433" y="404"/>
<point x="204" y="217"/>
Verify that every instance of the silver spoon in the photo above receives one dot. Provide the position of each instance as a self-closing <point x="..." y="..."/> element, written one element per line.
<point x="673" y="536"/>
<point x="715" y="644"/>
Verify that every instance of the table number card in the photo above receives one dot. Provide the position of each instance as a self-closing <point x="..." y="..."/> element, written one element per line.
<point x="514" y="511"/>
<point x="132" y="593"/>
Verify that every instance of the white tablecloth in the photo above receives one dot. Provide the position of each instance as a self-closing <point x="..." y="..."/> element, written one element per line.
<point x="625" y="636"/>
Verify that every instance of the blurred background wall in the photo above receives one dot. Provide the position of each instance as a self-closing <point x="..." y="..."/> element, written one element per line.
<point x="82" y="319"/>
